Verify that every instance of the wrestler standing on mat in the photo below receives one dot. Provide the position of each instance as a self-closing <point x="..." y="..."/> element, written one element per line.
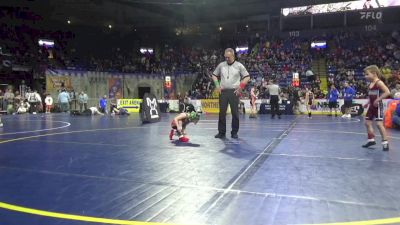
<point x="253" y="98"/>
<point x="377" y="91"/>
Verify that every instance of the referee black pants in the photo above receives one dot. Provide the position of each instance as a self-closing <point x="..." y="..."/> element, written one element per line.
<point x="274" y="101"/>
<point x="228" y="97"/>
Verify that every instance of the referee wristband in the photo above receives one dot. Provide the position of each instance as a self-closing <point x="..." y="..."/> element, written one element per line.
<point x="216" y="82"/>
<point x="242" y="85"/>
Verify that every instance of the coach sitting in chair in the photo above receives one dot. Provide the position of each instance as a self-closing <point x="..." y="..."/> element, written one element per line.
<point x="396" y="117"/>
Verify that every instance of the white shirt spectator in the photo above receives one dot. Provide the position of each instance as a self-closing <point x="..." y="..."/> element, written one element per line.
<point x="48" y="100"/>
<point x="23" y="107"/>
<point x="34" y="97"/>
<point x="28" y="95"/>
<point x="396" y="91"/>
<point x="309" y="73"/>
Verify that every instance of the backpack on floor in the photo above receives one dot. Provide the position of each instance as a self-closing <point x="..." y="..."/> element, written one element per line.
<point x="391" y="109"/>
<point x="123" y="112"/>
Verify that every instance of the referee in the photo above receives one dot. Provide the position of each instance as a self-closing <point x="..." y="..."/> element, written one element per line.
<point x="274" y="91"/>
<point x="234" y="78"/>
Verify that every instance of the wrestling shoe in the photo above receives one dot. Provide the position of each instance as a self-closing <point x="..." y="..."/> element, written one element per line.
<point x="184" y="139"/>
<point x="369" y="144"/>
<point x="385" y="145"/>
<point x="219" y="135"/>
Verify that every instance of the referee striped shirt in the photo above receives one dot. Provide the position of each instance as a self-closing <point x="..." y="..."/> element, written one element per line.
<point x="231" y="74"/>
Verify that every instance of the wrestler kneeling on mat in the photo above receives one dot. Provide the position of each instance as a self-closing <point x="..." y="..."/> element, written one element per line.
<point x="92" y="111"/>
<point x="180" y="123"/>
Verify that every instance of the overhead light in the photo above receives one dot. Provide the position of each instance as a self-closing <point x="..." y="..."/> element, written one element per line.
<point x="146" y="50"/>
<point x="46" y="42"/>
<point x="285" y="11"/>
<point x="220" y="28"/>
<point x="242" y="49"/>
<point x="247" y="26"/>
<point x="110" y="26"/>
<point x="69" y="21"/>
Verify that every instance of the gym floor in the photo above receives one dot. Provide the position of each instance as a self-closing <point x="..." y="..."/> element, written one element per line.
<point x="58" y="169"/>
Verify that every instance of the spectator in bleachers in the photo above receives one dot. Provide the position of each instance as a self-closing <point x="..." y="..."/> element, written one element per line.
<point x="267" y="59"/>
<point x="352" y="52"/>
<point x="395" y="93"/>
<point x="310" y="75"/>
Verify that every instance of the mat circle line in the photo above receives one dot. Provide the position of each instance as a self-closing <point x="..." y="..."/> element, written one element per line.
<point x="39" y="130"/>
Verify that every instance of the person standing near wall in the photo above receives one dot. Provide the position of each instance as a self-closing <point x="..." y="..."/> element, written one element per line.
<point x="63" y="100"/>
<point x="274" y="91"/>
<point x="103" y="104"/>
<point x="34" y="100"/>
<point x="332" y="100"/>
<point x="17" y="100"/>
<point x="49" y="103"/>
<point x="1" y="100"/>
<point x="348" y="95"/>
<point x="234" y="78"/>
<point x="9" y="101"/>
<point x="83" y="101"/>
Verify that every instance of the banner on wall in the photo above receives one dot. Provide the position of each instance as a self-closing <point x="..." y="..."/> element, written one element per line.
<point x="55" y="83"/>
<point x="210" y="105"/>
<point x="173" y="105"/>
<point x="320" y="106"/>
<point x="132" y="105"/>
<point x="115" y="88"/>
